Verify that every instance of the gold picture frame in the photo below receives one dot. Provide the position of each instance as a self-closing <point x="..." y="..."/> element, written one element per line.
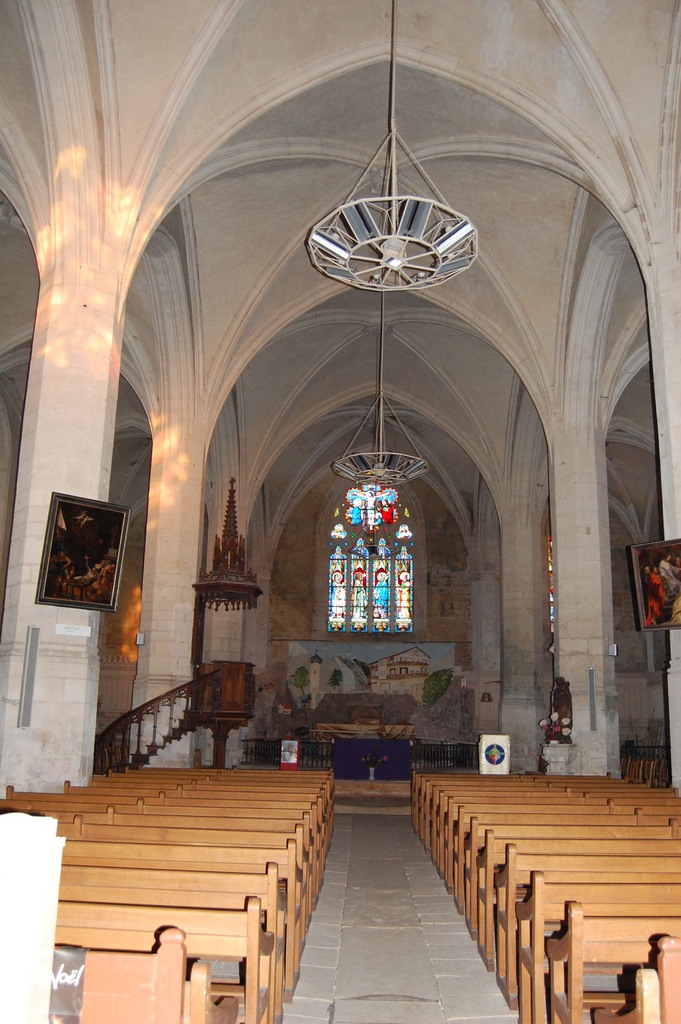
<point x="83" y="553"/>
<point x="656" y="568"/>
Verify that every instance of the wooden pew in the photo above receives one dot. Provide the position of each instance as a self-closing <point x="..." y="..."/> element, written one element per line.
<point x="470" y="821"/>
<point x="267" y="839"/>
<point x="658" y="992"/>
<point x="272" y="780"/>
<point x="543" y="910"/>
<point x="428" y="789"/>
<point x="248" y="812"/>
<point x="150" y="988"/>
<point x="240" y="791"/>
<point x="181" y="888"/>
<point x="238" y="798"/>
<point x="483" y="860"/>
<point x="312" y="785"/>
<point x="162" y="856"/>
<point x="446" y="803"/>
<point x="638" y="840"/>
<point x="609" y="797"/>
<point x="209" y="934"/>
<point x="599" y="943"/>
<point x="205" y="828"/>
<point x="512" y="885"/>
<point x="647" y="1008"/>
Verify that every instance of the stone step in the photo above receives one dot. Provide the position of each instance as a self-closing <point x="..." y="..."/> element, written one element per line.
<point x="360" y="796"/>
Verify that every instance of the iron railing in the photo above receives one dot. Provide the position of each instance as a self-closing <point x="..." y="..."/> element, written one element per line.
<point x="649" y="764"/>
<point x="433" y="757"/>
<point x="134" y="737"/>
<point x="259" y="753"/>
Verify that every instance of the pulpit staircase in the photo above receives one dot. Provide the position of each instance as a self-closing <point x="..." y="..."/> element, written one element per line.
<point x="220" y="697"/>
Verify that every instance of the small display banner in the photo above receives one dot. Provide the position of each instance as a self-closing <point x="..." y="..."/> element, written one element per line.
<point x="66" y="993"/>
<point x="288" y="755"/>
<point x="494" y="753"/>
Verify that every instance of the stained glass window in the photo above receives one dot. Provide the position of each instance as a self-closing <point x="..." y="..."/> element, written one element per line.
<point x="552" y="606"/>
<point x="358" y="597"/>
<point x="337" y="591"/>
<point x="371" y="578"/>
<point x="404" y="589"/>
<point x="380" y="575"/>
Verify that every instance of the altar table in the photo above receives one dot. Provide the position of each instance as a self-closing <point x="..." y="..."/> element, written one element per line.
<point x="356" y="730"/>
<point x="348" y="754"/>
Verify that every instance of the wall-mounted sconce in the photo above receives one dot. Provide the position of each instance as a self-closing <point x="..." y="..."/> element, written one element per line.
<point x="486" y="698"/>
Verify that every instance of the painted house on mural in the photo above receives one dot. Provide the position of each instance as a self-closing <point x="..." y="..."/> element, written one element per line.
<point x="405" y="672"/>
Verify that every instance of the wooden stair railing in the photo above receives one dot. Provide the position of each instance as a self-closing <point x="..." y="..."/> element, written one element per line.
<point x="219" y="698"/>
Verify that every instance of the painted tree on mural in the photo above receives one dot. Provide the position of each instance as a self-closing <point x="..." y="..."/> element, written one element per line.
<point x="436" y="684"/>
<point x="301" y="678"/>
<point x="335" y="679"/>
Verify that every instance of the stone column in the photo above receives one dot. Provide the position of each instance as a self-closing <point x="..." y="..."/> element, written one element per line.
<point x="583" y="587"/>
<point x="485" y="590"/>
<point x="66" y="445"/>
<point x="664" y="291"/>
<point x="174" y="519"/>
<point x="170" y="563"/>
<point x="524" y="597"/>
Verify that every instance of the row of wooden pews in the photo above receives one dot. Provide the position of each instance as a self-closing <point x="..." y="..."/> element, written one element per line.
<point x="562" y="881"/>
<point x="234" y="860"/>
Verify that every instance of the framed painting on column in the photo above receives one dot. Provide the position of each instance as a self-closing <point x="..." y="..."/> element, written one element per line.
<point x="83" y="553"/>
<point x="656" y="569"/>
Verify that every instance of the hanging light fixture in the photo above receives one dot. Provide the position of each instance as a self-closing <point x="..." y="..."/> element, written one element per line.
<point x="378" y="465"/>
<point x="395" y="241"/>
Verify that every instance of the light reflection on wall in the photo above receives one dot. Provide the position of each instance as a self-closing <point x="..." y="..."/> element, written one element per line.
<point x="131" y="623"/>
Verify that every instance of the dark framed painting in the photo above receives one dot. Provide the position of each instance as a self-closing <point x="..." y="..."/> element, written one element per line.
<point x="657" y="581"/>
<point x="83" y="553"/>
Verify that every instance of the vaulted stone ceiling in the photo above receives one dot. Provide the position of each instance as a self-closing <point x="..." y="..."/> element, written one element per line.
<point x="241" y="123"/>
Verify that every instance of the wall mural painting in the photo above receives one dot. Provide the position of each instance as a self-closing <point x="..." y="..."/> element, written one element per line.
<point x="381" y="665"/>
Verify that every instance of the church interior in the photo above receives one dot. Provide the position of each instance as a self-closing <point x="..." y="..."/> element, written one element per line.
<point x="340" y="418"/>
<point x="175" y="352"/>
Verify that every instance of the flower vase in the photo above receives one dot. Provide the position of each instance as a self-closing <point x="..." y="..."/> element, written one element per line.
<point x="372" y="769"/>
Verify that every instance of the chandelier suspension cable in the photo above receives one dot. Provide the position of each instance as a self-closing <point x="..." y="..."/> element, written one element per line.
<point x="392" y="123"/>
<point x="377" y="466"/>
<point x="394" y="241"/>
<point x="380" y="436"/>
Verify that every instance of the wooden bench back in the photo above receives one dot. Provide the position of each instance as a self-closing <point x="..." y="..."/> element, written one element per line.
<point x="140" y="988"/>
<point x="521" y="925"/>
<point x="209" y="934"/>
<point x="608" y="942"/>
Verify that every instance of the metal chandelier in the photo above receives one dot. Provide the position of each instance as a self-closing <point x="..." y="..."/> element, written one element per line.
<point x="394" y="241"/>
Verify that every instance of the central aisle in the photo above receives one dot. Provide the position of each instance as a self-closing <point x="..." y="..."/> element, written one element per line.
<point x="386" y="944"/>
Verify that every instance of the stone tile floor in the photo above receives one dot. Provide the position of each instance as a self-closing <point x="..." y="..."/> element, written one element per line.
<point x="386" y="944"/>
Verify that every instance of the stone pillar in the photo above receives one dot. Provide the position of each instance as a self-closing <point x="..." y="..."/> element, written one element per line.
<point x="71" y="396"/>
<point x="485" y="590"/>
<point x="524" y="597"/>
<point x="256" y="624"/>
<point x="170" y="563"/>
<point x="583" y="587"/>
<point x="664" y="297"/>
